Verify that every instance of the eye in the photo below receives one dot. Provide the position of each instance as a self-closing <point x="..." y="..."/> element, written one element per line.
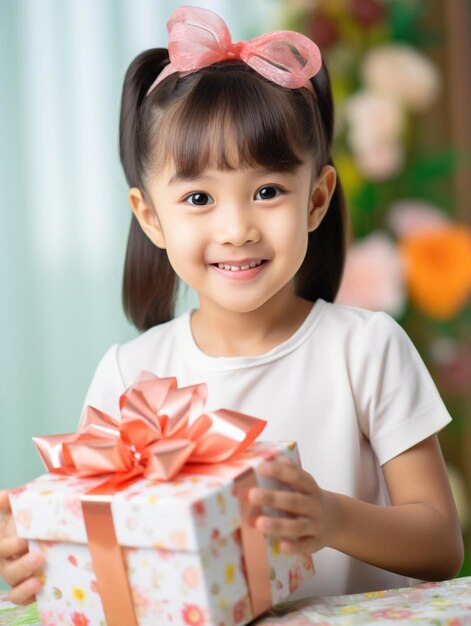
<point x="200" y="198"/>
<point x="269" y="192"/>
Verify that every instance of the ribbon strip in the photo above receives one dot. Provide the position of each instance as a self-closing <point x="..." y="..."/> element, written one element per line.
<point x="108" y="561"/>
<point x="253" y="548"/>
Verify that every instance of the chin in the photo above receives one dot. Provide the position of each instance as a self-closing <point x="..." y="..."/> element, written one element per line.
<point x="243" y="306"/>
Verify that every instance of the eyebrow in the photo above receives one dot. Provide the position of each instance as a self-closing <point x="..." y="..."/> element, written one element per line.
<point x="179" y="178"/>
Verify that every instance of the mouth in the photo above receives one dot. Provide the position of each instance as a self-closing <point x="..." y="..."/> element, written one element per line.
<point x="240" y="266"/>
<point x="241" y="271"/>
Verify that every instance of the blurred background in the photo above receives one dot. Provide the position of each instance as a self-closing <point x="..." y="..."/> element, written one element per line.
<point x="400" y="71"/>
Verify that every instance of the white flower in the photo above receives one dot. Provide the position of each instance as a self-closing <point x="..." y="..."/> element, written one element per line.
<point x="375" y="124"/>
<point x="402" y="72"/>
<point x="373" y="118"/>
<point x="381" y="162"/>
<point x="374" y="276"/>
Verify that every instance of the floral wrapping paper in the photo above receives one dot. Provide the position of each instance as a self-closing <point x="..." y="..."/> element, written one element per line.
<point x="435" y="604"/>
<point x="432" y="604"/>
<point x="187" y="569"/>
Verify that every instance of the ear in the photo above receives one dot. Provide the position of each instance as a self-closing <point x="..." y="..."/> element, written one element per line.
<point x="147" y="217"/>
<point x="321" y="194"/>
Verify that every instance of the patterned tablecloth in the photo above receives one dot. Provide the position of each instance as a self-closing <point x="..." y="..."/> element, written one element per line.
<point x="435" y="604"/>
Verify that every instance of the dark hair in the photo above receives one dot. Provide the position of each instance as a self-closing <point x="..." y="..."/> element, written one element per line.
<point x="185" y="119"/>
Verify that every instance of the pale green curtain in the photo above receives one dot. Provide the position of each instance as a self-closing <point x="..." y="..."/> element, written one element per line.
<point x="63" y="203"/>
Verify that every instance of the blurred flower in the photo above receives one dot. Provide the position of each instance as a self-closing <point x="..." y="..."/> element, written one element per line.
<point x="375" y="124"/>
<point x="374" y="276"/>
<point x="373" y="118"/>
<point x="323" y="30"/>
<point x="413" y="217"/>
<point x="438" y="270"/>
<point x="367" y="12"/>
<point x="402" y="72"/>
<point x="381" y="162"/>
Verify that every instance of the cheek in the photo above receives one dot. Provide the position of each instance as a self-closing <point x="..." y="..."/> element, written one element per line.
<point x="184" y="244"/>
<point x="292" y="235"/>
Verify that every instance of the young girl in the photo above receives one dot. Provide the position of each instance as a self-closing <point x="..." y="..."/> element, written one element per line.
<point x="227" y="153"/>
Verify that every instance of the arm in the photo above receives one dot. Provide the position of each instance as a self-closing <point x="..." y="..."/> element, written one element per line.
<point x="418" y="535"/>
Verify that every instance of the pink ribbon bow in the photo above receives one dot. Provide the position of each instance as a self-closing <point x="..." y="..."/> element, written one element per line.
<point x="198" y="38"/>
<point x="162" y="427"/>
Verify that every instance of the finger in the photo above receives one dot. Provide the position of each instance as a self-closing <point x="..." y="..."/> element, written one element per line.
<point x="5" y="513"/>
<point x="4" y="502"/>
<point x="25" y="592"/>
<point x="18" y="570"/>
<point x="7" y="527"/>
<point x="284" y="459"/>
<point x="290" y="474"/>
<point x="288" y="501"/>
<point x="12" y="546"/>
<point x="285" y="527"/>
<point x="305" y="545"/>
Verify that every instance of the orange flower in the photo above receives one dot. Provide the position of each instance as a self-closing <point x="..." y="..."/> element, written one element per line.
<point x="438" y="270"/>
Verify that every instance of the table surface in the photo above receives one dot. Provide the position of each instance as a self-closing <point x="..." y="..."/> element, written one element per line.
<point x="436" y="604"/>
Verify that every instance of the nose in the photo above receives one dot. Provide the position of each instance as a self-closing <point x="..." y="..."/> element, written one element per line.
<point x="236" y="225"/>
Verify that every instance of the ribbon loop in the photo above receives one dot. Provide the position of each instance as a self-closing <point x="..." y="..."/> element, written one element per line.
<point x="198" y="38"/>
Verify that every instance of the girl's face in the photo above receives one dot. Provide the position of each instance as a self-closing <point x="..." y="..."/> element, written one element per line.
<point x="236" y="237"/>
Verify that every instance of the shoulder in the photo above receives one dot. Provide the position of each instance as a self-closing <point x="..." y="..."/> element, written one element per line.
<point x="354" y="323"/>
<point x="378" y="353"/>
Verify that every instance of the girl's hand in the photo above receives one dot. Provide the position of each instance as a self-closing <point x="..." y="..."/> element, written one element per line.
<point x="310" y="524"/>
<point x="17" y="565"/>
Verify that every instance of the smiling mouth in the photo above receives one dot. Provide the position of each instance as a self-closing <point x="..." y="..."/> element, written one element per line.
<point x="239" y="268"/>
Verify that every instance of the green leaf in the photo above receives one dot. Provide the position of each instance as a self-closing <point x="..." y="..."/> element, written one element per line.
<point x="438" y="164"/>
<point x="404" y="17"/>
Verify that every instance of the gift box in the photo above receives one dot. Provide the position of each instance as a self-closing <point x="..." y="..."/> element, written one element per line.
<point x="189" y="550"/>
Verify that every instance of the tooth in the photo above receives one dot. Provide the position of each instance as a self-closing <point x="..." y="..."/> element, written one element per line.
<point x="227" y="267"/>
<point x="253" y="264"/>
<point x="221" y="266"/>
<point x="259" y="262"/>
<point x="244" y="267"/>
<point x="235" y="268"/>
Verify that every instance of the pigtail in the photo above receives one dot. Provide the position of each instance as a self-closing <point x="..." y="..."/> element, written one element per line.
<point x="320" y="274"/>
<point x="149" y="281"/>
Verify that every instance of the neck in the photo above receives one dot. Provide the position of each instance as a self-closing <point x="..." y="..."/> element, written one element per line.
<point x="219" y="332"/>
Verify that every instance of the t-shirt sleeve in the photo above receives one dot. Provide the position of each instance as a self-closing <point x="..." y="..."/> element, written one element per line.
<point x="107" y="384"/>
<point x="398" y="403"/>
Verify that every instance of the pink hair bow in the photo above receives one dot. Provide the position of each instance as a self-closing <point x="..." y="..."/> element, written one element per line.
<point x="198" y="38"/>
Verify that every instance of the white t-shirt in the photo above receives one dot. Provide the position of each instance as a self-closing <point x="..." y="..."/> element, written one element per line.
<point x="348" y="386"/>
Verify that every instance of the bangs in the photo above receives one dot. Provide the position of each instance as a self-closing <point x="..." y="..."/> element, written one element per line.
<point x="232" y="118"/>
